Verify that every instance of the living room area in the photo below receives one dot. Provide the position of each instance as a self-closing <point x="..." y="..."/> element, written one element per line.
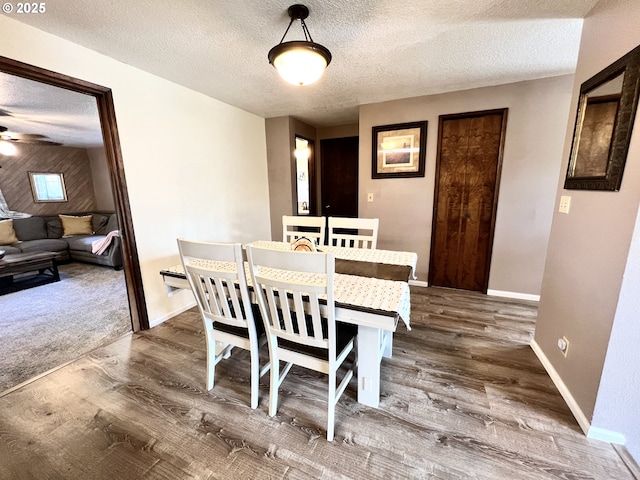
<point x="48" y="326"/>
<point x="63" y="291"/>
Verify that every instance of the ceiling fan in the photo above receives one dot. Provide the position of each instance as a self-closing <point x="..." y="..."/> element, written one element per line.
<point x="32" y="138"/>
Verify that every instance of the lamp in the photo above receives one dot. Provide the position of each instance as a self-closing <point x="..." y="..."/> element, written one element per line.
<point x="299" y="62"/>
<point x="6" y="148"/>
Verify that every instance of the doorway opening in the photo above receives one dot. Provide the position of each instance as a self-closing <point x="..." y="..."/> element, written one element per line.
<point x="339" y="176"/>
<point x="128" y="311"/>
<point x="106" y="112"/>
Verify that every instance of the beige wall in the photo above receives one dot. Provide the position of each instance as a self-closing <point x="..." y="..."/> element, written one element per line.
<point x="536" y="124"/>
<point x="280" y="138"/>
<point x="588" y="248"/>
<point x="279" y="155"/>
<point x="338" y="131"/>
<point x="538" y="113"/>
<point x="101" y="180"/>
<point x="195" y="167"/>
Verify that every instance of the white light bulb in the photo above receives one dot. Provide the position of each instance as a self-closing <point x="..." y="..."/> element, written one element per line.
<point x="300" y="66"/>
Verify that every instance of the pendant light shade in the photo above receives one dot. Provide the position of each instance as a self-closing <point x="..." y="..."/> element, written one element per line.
<point x="299" y="62"/>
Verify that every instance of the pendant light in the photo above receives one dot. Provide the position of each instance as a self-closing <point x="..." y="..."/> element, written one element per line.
<point x="299" y="62"/>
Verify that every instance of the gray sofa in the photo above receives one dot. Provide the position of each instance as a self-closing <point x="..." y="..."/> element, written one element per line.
<point x="44" y="234"/>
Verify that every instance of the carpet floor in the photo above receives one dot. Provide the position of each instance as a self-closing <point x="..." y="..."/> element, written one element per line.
<point x="46" y="326"/>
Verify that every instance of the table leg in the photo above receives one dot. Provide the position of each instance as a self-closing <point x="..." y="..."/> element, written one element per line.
<point x="54" y="270"/>
<point x="369" y="355"/>
<point x="388" y="344"/>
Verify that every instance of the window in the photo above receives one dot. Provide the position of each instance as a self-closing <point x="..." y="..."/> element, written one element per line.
<point x="48" y="187"/>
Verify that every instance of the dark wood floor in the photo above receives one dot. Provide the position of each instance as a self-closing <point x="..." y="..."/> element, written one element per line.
<point x="463" y="397"/>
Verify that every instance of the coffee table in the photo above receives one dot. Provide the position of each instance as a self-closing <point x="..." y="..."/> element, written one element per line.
<point x="44" y="263"/>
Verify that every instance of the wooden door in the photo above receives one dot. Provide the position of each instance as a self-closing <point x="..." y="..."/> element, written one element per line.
<point x="467" y="178"/>
<point x="339" y="177"/>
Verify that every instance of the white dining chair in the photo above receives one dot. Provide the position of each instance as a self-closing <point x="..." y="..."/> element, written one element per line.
<point x="353" y="232"/>
<point x="217" y="277"/>
<point x="300" y="330"/>
<point x="294" y="227"/>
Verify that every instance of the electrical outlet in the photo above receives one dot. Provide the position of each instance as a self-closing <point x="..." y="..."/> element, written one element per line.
<point x="563" y="345"/>
<point x="565" y="204"/>
<point x="369" y="197"/>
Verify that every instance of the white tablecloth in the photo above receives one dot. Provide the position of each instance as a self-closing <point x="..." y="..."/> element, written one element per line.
<point x="371" y="293"/>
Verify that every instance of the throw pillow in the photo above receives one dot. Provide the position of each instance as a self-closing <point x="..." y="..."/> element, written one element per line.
<point x="31" y="228"/>
<point x="54" y="228"/>
<point x="99" y="222"/>
<point x="7" y="233"/>
<point x="112" y="224"/>
<point x="76" y="225"/>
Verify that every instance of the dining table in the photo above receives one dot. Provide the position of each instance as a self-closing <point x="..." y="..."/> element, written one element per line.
<point x="371" y="290"/>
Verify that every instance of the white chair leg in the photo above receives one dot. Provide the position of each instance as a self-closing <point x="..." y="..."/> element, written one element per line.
<point x="255" y="378"/>
<point x="331" y="411"/>
<point x="273" y="387"/>
<point x="211" y="367"/>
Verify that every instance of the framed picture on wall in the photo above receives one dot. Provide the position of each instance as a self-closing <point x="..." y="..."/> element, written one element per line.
<point x="398" y="151"/>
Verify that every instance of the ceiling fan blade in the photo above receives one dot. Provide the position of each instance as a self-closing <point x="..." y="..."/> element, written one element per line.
<point x="28" y="136"/>
<point x="32" y="138"/>
<point x="34" y="142"/>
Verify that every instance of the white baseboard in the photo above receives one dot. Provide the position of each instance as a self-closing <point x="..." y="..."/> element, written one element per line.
<point x="519" y="296"/>
<point x="606" y="435"/>
<point x="418" y="283"/>
<point x="591" y="432"/>
<point x="584" y="423"/>
<point x="164" y="318"/>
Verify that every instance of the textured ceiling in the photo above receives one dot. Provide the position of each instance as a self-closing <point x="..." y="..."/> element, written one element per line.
<point x="382" y="49"/>
<point x="60" y="115"/>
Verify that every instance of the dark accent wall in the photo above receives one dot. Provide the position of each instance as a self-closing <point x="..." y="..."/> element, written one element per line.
<point x="72" y="162"/>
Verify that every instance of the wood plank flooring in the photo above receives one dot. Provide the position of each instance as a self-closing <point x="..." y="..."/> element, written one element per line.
<point x="464" y="397"/>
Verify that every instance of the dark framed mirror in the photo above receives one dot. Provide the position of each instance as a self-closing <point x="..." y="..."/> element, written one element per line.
<point x="604" y="122"/>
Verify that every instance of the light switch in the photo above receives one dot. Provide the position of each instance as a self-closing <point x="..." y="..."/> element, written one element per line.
<point x="369" y="197"/>
<point x="565" y="204"/>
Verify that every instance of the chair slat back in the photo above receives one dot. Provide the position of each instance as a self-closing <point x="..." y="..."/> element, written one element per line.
<point x="289" y="286"/>
<point x="366" y="236"/>
<point x="294" y="227"/>
<point x="217" y="277"/>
